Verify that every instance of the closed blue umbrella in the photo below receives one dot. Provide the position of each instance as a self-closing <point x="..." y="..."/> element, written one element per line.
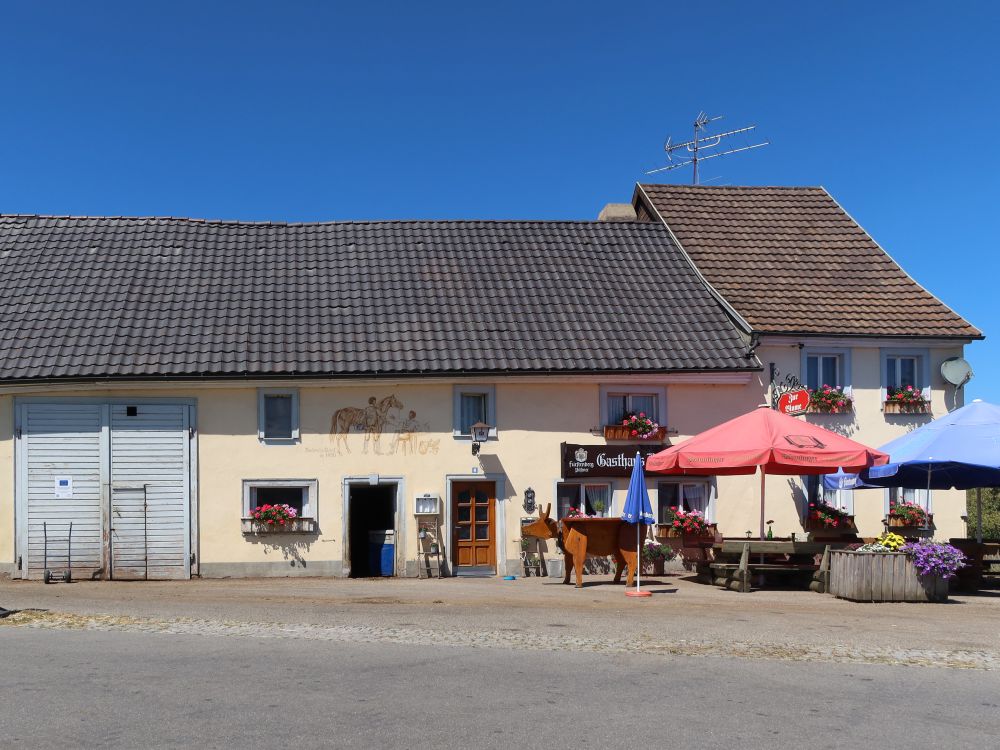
<point x="638" y="511"/>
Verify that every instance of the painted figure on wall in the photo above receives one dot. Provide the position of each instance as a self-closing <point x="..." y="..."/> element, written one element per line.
<point x="371" y="420"/>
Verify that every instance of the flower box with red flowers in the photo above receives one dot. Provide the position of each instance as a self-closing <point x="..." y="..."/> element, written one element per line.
<point x="276" y="519"/>
<point x="827" y="520"/>
<point x="686" y="524"/>
<point x="906" y="400"/>
<point x="830" y="399"/>
<point x="635" y="427"/>
<point x="904" y="515"/>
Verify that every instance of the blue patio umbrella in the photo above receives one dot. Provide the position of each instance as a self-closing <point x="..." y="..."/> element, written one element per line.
<point x="638" y="511"/>
<point x="960" y="450"/>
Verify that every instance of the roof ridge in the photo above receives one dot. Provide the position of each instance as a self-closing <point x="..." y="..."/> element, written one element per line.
<point x="730" y="187"/>
<point x="350" y="222"/>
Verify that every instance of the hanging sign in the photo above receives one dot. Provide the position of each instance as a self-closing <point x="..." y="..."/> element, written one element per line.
<point x="788" y="394"/>
<point x="602" y="460"/>
<point x="793" y="402"/>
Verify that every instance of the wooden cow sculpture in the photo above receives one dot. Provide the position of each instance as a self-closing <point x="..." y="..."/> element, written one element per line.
<point x="590" y="536"/>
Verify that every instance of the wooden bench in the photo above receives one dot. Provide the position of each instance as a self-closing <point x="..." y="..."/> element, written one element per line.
<point x="738" y="576"/>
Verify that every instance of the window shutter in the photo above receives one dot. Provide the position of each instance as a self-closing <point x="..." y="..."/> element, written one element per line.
<point x="884" y="396"/>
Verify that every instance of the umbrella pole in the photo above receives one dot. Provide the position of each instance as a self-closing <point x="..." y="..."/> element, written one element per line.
<point x="979" y="515"/>
<point x="638" y="558"/>
<point x="762" y="477"/>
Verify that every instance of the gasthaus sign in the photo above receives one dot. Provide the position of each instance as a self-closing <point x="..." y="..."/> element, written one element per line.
<point x="602" y="460"/>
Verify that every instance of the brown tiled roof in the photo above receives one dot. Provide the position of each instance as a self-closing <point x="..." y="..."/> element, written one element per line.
<point x="790" y="260"/>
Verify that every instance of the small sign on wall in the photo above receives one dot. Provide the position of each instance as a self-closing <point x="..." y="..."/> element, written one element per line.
<point x="62" y="487"/>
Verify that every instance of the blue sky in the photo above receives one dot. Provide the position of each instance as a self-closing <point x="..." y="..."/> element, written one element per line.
<point x="306" y="111"/>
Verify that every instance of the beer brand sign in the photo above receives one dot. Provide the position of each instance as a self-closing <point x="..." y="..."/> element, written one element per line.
<point x="581" y="461"/>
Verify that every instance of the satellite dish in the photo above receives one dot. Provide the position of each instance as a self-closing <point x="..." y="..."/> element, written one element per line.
<point x="956" y="371"/>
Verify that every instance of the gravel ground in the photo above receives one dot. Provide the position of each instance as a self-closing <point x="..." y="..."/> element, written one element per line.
<point x="682" y="618"/>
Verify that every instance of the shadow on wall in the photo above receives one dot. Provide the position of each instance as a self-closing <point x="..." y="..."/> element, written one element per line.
<point x="292" y="547"/>
<point x="843" y="424"/>
<point x="799" y="497"/>
<point x="909" y="421"/>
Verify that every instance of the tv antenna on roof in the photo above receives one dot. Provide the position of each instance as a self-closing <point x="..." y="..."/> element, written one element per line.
<point x="701" y="142"/>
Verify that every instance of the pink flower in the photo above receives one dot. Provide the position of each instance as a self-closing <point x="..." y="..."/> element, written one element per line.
<point x="642" y="414"/>
<point x="624" y="423"/>
<point x="634" y="433"/>
<point x="909" y="387"/>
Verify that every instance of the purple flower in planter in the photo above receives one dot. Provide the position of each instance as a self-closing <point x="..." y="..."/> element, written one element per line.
<point x="934" y="558"/>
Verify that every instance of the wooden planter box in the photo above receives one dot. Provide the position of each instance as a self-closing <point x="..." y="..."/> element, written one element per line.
<point x="295" y="526"/>
<point x="706" y="539"/>
<point x="819" y="530"/>
<point x="894" y="407"/>
<point x="882" y="577"/>
<point x="617" y="432"/>
<point x="908" y="531"/>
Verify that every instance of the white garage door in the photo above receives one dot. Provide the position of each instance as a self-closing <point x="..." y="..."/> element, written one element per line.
<point x="61" y="485"/>
<point x="121" y="474"/>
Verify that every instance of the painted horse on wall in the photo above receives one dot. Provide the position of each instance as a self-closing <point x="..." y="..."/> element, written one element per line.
<point x="589" y="536"/>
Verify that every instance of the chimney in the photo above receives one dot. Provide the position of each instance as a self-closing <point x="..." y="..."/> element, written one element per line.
<point x="617" y="212"/>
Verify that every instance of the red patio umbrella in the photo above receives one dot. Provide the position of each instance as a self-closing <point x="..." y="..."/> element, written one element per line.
<point x="766" y="439"/>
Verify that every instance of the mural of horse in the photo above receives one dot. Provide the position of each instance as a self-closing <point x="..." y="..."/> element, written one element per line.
<point x="371" y="419"/>
<point x="589" y="536"/>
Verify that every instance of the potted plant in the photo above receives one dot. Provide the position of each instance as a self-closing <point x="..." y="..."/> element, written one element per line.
<point x="829" y="520"/>
<point x="830" y="400"/>
<point x="894" y="570"/>
<point x="905" y="400"/>
<point x="598" y="507"/>
<point x="907" y="515"/>
<point x="655" y="555"/>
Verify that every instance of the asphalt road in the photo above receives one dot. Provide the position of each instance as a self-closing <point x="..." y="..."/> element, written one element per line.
<point x="64" y="688"/>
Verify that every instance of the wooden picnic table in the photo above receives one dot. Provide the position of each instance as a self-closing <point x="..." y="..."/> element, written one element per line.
<point x="737" y="560"/>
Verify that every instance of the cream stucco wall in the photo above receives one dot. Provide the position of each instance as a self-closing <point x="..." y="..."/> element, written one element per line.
<point x="7" y="554"/>
<point x="533" y="419"/>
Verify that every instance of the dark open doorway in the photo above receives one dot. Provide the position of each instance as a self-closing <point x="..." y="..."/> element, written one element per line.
<point x="372" y="509"/>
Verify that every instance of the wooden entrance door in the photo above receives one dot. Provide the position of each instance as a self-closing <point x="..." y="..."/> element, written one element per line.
<point x="474" y="515"/>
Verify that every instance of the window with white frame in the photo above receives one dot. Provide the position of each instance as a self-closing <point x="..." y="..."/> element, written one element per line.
<point x="816" y="493"/>
<point x="591" y="499"/>
<point x="472" y="404"/>
<point x="277" y="415"/>
<point x="824" y="369"/>
<point x="908" y="495"/>
<point x="903" y="370"/>
<point x="621" y="404"/>
<point x="300" y="494"/>
<point x="684" y="495"/>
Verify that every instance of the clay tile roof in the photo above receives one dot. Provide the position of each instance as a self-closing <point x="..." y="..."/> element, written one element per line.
<point x="790" y="260"/>
<point x="93" y="297"/>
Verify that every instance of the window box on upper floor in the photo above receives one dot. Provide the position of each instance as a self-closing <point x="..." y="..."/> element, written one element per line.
<point x="827" y="374"/>
<point x="906" y="381"/>
<point x="619" y="403"/>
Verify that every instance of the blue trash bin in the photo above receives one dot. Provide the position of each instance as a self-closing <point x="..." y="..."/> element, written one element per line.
<point x="381" y="551"/>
